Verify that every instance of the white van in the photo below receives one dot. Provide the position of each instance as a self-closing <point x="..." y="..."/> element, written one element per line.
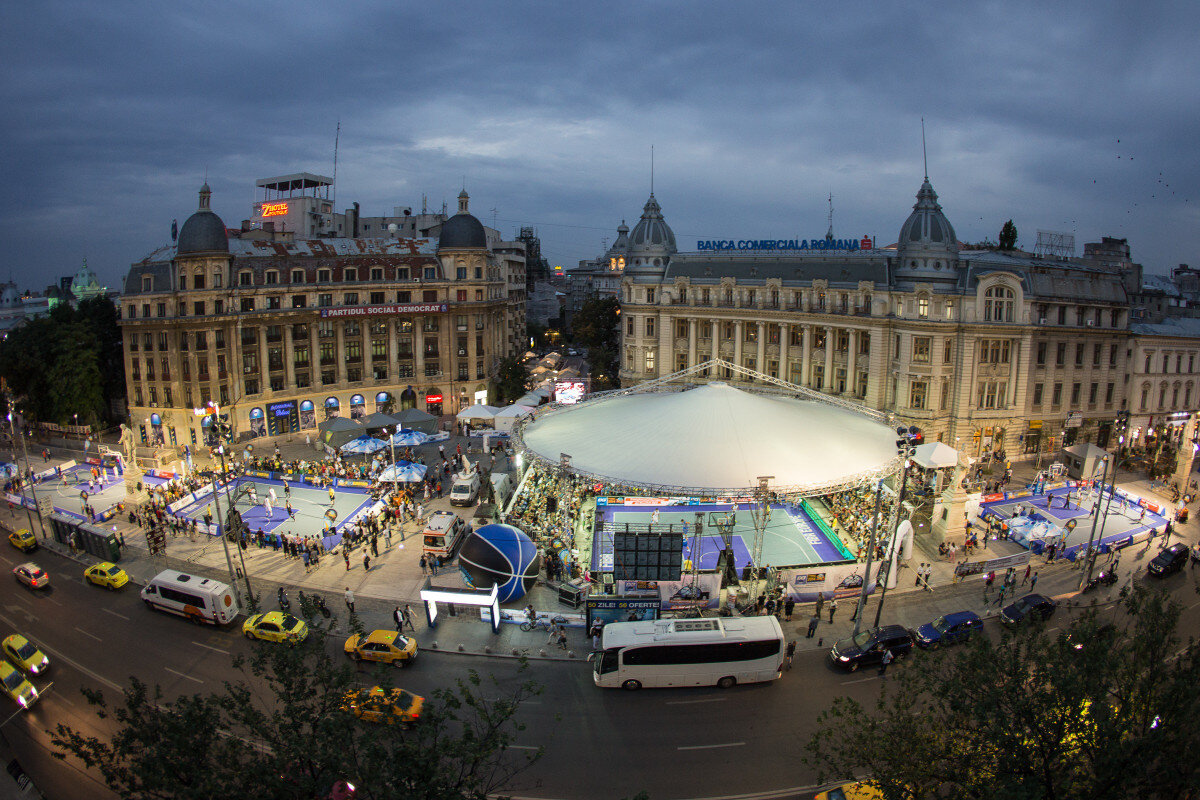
<point x="198" y="599"/>
<point x="465" y="490"/>
<point x="443" y="532"/>
<point x="502" y="488"/>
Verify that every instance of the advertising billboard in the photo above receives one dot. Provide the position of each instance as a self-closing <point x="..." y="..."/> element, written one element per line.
<point x="569" y="392"/>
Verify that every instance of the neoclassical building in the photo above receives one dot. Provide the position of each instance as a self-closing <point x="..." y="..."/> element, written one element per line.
<point x="982" y="349"/>
<point x="285" y="333"/>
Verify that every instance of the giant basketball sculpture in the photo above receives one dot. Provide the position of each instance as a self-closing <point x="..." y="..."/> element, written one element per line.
<point x="500" y="555"/>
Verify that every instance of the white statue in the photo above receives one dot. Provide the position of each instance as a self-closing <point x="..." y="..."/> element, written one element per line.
<point x="128" y="445"/>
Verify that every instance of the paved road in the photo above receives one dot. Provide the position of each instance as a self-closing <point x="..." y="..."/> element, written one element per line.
<point x="599" y="744"/>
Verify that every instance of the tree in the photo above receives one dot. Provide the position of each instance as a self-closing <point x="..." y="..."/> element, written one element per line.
<point x="597" y="327"/>
<point x="1008" y="236"/>
<point x="280" y="730"/>
<point x="1105" y="710"/>
<point x="510" y="379"/>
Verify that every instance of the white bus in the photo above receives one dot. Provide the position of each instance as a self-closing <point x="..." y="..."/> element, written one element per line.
<point x="690" y="652"/>
<point x="198" y="599"/>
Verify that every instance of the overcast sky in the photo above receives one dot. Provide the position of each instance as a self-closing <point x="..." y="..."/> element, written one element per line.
<point x="1075" y="117"/>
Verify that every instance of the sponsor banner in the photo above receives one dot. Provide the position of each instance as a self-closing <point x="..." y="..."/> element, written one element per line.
<point x="840" y="580"/>
<point x="181" y="503"/>
<point x="440" y="436"/>
<point x="165" y="474"/>
<point x="12" y="498"/>
<point x="979" y="567"/>
<point x="46" y="473"/>
<point x="621" y="609"/>
<point x="93" y="460"/>
<point x="992" y="498"/>
<point x="517" y="616"/>
<point x="704" y="591"/>
<point x="356" y="483"/>
<point x="260" y="474"/>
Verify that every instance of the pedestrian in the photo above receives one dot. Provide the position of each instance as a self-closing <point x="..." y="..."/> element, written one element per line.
<point x="920" y="574"/>
<point x="1028" y="569"/>
<point x="1000" y="595"/>
<point x="562" y="639"/>
<point x="820" y="602"/>
<point x="346" y="555"/>
<point x="987" y="583"/>
<point x="789" y="654"/>
<point x="424" y="565"/>
<point x="813" y="622"/>
<point x="398" y="616"/>
<point x="771" y="607"/>
<point x="789" y="605"/>
<point x="884" y="661"/>
<point x="408" y="617"/>
<point x="375" y="545"/>
<point x="349" y="599"/>
<point x="304" y="557"/>
<point x="366" y="561"/>
<point x="332" y="495"/>
<point x="1032" y="581"/>
<point x="553" y="633"/>
<point x="433" y="566"/>
<point x="832" y="609"/>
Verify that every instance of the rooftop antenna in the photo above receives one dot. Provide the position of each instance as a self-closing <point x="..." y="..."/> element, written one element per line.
<point x="924" y="157"/>
<point x="493" y="217"/>
<point x="829" y="233"/>
<point x="336" y="136"/>
<point x="651" y="170"/>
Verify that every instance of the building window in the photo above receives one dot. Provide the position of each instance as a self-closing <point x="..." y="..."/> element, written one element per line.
<point x="252" y="386"/>
<point x="324" y="276"/>
<point x="272" y="277"/>
<point x="1056" y="397"/>
<point x="1145" y="397"/>
<point x="247" y="304"/>
<point x="1041" y="354"/>
<point x="1112" y="355"/>
<point x="1037" y="394"/>
<point x="629" y="326"/>
<point x="992" y="394"/>
<point x="920" y="353"/>
<point x="1075" y="393"/>
<point x="1096" y="349"/>
<point x="349" y="275"/>
<point x="354" y="374"/>
<point x="1079" y="355"/>
<point x="198" y="308"/>
<point x="917" y="394"/>
<point x="1062" y="315"/>
<point x="772" y="334"/>
<point x="923" y="313"/>
<point x="749" y="332"/>
<point x="649" y="326"/>
<point x="998" y="302"/>
<point x="377" y="273"/>
<point x="1060" y="355"/>
<point x="297" y="276"/>
<point x="274" y="303"/>
<point x="1093" y="393"/>
<point x="650" y="360"/>
<point x="245" y="278"/>
<point x="1108" y="393"/>
<point x="994" y="351"/>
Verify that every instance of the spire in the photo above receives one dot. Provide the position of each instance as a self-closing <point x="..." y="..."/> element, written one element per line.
<point x="205" y="194"/>
<point x="652" y="170"/>
<point x="463" y="197"/>
<point x="924" y="157"/>
<point x="829" y="233"/>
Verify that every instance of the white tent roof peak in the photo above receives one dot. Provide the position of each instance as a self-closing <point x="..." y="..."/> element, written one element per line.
<point x="932" y="455"/>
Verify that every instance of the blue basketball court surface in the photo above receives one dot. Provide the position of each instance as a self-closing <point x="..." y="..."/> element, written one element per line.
<point x="793" y="536"/>
<point x="309" y="504"/>
<point x="1044" y="519"/>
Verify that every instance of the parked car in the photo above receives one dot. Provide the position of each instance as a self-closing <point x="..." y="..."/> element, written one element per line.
<point x="1035" y="606"/>
<point x="106" y="574"/>
<point x="1169" y="560"/>
<point x="868" y="647"/>
<point x="948" y="629"/>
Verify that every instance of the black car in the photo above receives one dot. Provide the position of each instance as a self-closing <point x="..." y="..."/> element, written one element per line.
<point x="1169" y="560"/>
<point x="1031" y="606"/>
<point x="868" y="646"/>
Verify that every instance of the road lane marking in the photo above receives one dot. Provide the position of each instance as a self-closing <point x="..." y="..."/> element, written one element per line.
<point x="180" y="674"/>
<point x="521" y="747"/>
<point x="862" y="680"/>
<point x="690" y="702"/>
<point x="115" y="614"/>
<point x="90" y="636"/>
<point x="52" y="600"/>
<point x="710" y="746"/>
<point x="209" y="647"/>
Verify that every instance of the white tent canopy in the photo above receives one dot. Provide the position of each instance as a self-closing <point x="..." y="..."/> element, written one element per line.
<point x="715" y="437"/>
<point x="478" y="411"/>
<point x="507" y="417"/>
<point x="932" y="455"/>
<point x="531" y="400"/>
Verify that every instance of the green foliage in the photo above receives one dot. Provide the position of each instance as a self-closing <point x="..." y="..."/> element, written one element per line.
<point x="1105" y="710"/>
<point x="66" y="363"/>
<point x="510" y="380"/>
<point x="1008" y="236"/>
<point x="597" y="327"/>
<point x="277" y="729"/>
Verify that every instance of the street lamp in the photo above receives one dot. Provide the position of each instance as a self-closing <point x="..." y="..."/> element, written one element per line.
<point x="906" y="443"/>
<point x="41" y="524"/>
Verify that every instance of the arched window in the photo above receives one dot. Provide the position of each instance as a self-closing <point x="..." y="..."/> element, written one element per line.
<point x="998" y="302"/>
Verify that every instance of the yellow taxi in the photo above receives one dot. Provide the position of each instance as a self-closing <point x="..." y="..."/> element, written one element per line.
<point x="106" y="574"/>
<point x="384" y="705"/>
<point x="24" y="654"/>
<point x="856" y="790"/>
<point x="388" y="647"/>
<point x="275" y="626"/>
<point x="23" y="540"/>
<point x="15" y="686"/>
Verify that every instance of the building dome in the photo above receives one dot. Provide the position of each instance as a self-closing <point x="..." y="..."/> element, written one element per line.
<point x="203" y="232"/>
<point x="462" y="231"/>
<point x="927" y="227"/>
<point x="652" y="242"/>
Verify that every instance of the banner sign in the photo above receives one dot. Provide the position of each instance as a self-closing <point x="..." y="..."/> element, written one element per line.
<point x="978" y="567"/>
<point x="848" y="245"/>
<point x="392" y="308"/>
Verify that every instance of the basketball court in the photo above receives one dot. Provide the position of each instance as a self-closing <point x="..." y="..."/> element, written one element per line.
<point x="794" y="537"/>
<point x="309" y="503"/>
<point x="67" y="492"/>
<point x="1047" y="518"/>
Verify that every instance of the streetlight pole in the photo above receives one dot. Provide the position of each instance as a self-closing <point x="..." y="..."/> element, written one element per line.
<point x="905" y="444"/>
<point x="216" y="426"/>
<point x="862" y="595"/>
<point x="29" y="515"/>
<point x="1084" y="578"/>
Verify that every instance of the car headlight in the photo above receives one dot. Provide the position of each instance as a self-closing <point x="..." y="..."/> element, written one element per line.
<point x="843" y="658"/>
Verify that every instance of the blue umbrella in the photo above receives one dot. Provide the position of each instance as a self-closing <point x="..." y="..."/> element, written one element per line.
<point x="403" y="472"/>
<point x="408" y="438"/>
<point x="363" y="444"/>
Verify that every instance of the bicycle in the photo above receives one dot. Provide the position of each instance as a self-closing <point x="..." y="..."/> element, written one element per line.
<point x="543" y="623"/>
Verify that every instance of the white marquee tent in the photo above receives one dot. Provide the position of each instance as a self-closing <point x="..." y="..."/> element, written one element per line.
<point x="507" y="417"/>
<point x="715" y="437"/>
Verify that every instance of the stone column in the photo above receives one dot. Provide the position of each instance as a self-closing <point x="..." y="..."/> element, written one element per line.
<point x="850" y="356"/>
<point x="737" y="342"/>
<point x="289" y="357"/>
<point x="783" y="351"/>
<point x="264" y="368"/>
<point x="806" y="356"/>
<point x="828" y="358"/>
<point x="339" y="354"/>
<point x="762" y="348"/>
<point x="715" y="341"/>
<point x="692" y="333"/>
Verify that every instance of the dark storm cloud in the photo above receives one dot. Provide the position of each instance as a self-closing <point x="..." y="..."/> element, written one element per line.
<point x="115" y="113"/>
